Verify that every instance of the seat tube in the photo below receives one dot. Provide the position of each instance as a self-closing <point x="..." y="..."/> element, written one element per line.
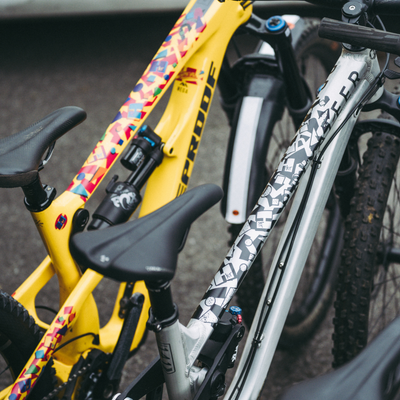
<point x="163" y="320"/>
<point x="173" y="361"/>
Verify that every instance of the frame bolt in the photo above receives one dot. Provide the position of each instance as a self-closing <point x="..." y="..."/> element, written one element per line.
<point x="275" y="24"/>
<point x="352" y="9"/>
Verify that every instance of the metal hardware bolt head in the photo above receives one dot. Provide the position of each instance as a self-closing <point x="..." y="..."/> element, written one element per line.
<point x="352" y="10"/>
<point x="281" y="265"/>
<point x="274" y="21"/>
<point x="234" y="310"/>
<point x="269" y="301"/>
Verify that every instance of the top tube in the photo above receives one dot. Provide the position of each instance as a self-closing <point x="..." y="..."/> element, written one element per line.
<point x="176" y="49"/>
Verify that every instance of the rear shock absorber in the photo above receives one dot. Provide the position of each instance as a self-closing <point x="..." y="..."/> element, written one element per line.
<point x="122" y="198"/>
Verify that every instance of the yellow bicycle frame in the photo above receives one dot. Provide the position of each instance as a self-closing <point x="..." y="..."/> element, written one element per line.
<point x="191" y="57"/>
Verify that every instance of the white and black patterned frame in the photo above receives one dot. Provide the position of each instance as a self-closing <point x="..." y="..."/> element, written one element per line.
<point x="283" y="183"/>
<point x="333" y="112"/>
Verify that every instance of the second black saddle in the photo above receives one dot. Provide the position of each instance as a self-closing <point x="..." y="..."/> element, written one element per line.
<point x="147" y="248"/>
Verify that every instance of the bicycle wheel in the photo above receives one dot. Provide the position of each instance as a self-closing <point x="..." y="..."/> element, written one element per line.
<point x="19" y="336"/>
<point x="368" y="296"/>
<point x="315" y="58"/>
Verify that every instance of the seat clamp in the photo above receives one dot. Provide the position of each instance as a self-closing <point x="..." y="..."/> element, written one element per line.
<point x="155" y="325"/>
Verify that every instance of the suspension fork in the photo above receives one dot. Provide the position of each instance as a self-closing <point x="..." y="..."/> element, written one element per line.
<point x="276" y="32"/>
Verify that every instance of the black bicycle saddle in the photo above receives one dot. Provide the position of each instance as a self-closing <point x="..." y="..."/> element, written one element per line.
<point x="21" y="153"/>
<point x="372" y="375"/>
<point x="147" y="248"/>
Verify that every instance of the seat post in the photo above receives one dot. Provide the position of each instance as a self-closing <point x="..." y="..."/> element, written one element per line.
<point x="37" y="196"/>
<point x="163" y="311"/>
<point x="163" y="320"/>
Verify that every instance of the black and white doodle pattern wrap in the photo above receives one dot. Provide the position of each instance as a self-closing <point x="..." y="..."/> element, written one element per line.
<point x="269" y="207"/>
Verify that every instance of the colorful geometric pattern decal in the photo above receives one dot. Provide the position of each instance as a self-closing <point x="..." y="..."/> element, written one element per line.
<point x="142" y="99"/>
<point x="49" y="342"/>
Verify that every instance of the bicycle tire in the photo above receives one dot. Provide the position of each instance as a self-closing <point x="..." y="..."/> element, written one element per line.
<point x="367" y="281"/>
<point x="19" y="336"/>
<point x="315" y="57"/>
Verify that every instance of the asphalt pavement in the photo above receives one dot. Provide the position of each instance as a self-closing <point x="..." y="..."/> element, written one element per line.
<point x="93" y="63"/>
<point x="51" y="8"/>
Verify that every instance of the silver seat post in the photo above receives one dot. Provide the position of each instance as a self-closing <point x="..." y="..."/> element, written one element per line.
<point x="163" y="320"/>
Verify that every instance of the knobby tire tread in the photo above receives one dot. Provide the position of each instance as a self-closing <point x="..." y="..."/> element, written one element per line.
<point x="19" y="336"/>
<point x="362" y="235"/>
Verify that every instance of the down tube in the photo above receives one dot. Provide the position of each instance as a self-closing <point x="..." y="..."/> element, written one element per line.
<point x="280" y="300"/>
<point x="332" y="99"/>
<point x="283" y="183"/>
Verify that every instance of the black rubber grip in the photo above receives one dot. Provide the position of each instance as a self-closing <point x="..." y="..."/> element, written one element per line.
<point x="362" y="36"/>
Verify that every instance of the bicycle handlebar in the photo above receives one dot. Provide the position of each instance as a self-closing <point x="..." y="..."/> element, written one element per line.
<point x="384" y="7"/>
<point x="362" y="36"/>
<point x="380" y="7"/>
